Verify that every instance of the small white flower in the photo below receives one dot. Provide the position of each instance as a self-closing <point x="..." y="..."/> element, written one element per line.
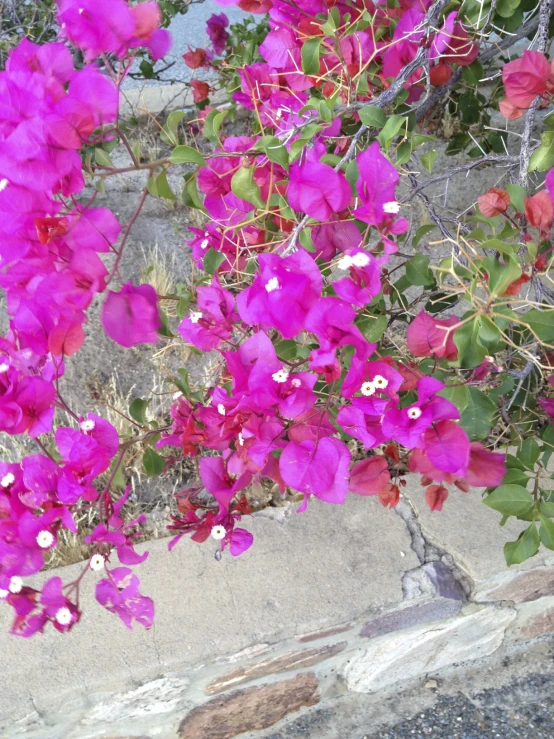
<point x="81" y="10"/>
<point x="87" y="426"/>
<point x="272" y="285"/>
<point x="221" y="409"/>
<point x="392" y="207"/>
<point x="241" y="439"/>
<point x="296" y="382"/>
<point x="279" y="114"/>
<point x="414" y="413"/>
<point x="345" y="263"/>
<point x="64" y="616"/>
<point x="4" y="368"/>
<point x="177" y="395"/>
<point x="204" y="244"/>
<point x="7" y="480"/>
<point x="206" y="233"/>
<point x="45" y="539"/>
<point x="16" y="585"/>
<point x="368" y="388"/>
<point x="281" y="375"/>
<point x="218" y="532"/>
<point x="4" y="593"/>
<point x="195" y="316"/>
<point x="96" y="562"/>
<point x="3" y="184"/>
<point x="380" y="382"/>
<point x="361" y="259"/>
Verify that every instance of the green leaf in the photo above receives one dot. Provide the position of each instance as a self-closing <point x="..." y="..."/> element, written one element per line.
<point x="137" y="410"/>
<point x="212" y="124"/>
<point x="418" y="272"/>
<point x="286" y="350"/>
<point x="510" y="500"/>
<point x="158" y="186"/>
<point x="372" y="327"/>
<point x="477" y="418"/>
<point x="404" y="152"/>
<point x="102" y="157"/>
<point x="182" y="154"/>
<point x="501" y="274"/>
<point x="541" y="322"/>
<point x="274" y="150"/>
<point x="212" y="260"/>
<point x="391" y="129"/>
<point x="310" y="56"/>
<point x="473" y="73"/>
<point x="371" y="115"/>
<point x="457" y="394"/>
<point x="153" y="463"/>
<point x="420" y="233"/>
<point x="525" y="547"/>
<point x="471" y="351"/>
<point x="498" y="245"/>
<point x="516" y="477"/>
<point x="517" y="196"/>
<point x="244" y="187"/>
<point x="546" y="531"/>
<point x="429" y="158"/>
<point x="528" y="453"/>
<point x="543" y="157"/>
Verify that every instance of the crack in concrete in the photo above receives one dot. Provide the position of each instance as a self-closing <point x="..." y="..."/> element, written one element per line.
<point x="416" y="582"/>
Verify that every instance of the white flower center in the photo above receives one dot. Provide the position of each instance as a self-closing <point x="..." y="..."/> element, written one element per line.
<point x="221" y="409"/>
<point x="87" y="426"/>
<point x="177" y="395"/>
<point x="296" y="382"/>
<point x="45" y="539"/>
<point x="345" y="263"/>
<point x="3" y="184"/>
<point x="195" y="316"/>
<point x="380" y="382"/>
<point x="219" y="532"/>
<point x="7" y="480"/>
<point x="272" y="285"/>
<point x="4" y="368"/>
<point x="63" y="616"/>
<point x="204" y="244"/>
<point x="16" y="585"/>
<point x="368" y="388"/>
<point x="97" y="562"/>
<point x="281" y="375"/>
<point x="241" y="439"/>
<point x="360" y="259"/>
<point x="414" y="413"/>
<point x="391" y="207"/>
<point x="4" y="593"/>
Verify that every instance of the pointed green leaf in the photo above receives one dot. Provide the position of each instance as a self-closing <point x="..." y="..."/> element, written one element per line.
<point x="510" y="500"/>
<point x="525" y="547"/>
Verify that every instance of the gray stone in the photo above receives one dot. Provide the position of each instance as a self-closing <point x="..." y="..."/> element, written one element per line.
<point x="406" y="618"/>
<point x="296" y="660"/>
<point x="469" y="531"/>
<point x="324" y="567"/>
<point x="250" y="709"/>
<point x="442" y="578"/>
<point x="407" y="655"/>
<point x="519" y="587"/>
<point x="534" y="619"/>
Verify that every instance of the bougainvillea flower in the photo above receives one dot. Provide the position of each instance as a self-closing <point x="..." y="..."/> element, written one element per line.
<point x="120" y="595"/>
<point x="278" y="46"/>
<point x="131" y="317"/>
<point x="96" y="26"/>
<point x="494" y="202"/>
<point x="447" y="446"/>
<point x="317" y="468"/>
<point x="316" y="189"/>
<point x="195" y="58"/>
<point x="453" y="43"/>
<point x="363" y="420"/>
<point x="219" y="483"/>
<point x="539" y="211"/>
<point x="372" y="379"/>
<point x="376" y="186"/>
<point x="282" y="294"/>
<point x="429" y="337"/>
<point x="525" y="78"/>
<point x="215" y="26"/>
<point x="211" y="322"/>
<point x="364" y="280"/>
<point x="369" y="476"/>
<point x="406" y="425"/>
<point x="147" y="17"/>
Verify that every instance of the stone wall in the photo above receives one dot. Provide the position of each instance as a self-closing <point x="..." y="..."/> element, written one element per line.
<point x="346" y="603"/>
